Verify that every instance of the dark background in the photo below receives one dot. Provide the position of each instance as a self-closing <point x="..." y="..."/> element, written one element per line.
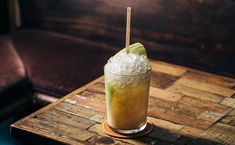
<point x="195" y="33"/>
<point x="4" y="25"/>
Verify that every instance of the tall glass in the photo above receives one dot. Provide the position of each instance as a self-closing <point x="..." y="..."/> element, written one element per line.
<point x="127" y="101"/>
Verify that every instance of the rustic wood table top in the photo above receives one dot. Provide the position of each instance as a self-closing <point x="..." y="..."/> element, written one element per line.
<point x="186" y="106"/>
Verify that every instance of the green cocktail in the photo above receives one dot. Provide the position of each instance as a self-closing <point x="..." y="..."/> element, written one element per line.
<point x="127" y="80"/>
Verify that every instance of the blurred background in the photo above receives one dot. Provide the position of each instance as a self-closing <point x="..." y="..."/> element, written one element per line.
<point x="49" y="48"/>
<point x="198" y="33"/>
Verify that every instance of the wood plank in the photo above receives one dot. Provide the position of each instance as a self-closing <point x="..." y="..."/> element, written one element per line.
<point x="233" y="96"/>
<point x="165" y="124"/>
<point x="175" y="107"/>
<point x="217" y="134"/>
<point x="57" y="129"/>
<point x="162" y="80"/>
<point x="206" y="111"/>
<point x="186" y="111"/>
<point x="201" y="105"/>
<point x="168" y="69"/>
<point x="89" y="100"/>
<point x="206" y="87"/>
<point x="99" y="117"/>
<point x="99" y="87"/>
<point x="70" y="101"/>
<point x="196" y="93"/>
<point x="211" y="116"/>
<point x="97" y="129"/>
<point x="161" y="103"/>
<point x="101" y="140"/>
<point x="163" y="94"/>
<point x="164" y="135"/>
<point x="75" y="110"/>
<point x="187" y="105"/>
<point x="60" y="117"/>
<point x="180" y="117"/>
<point x="187" y="135"/>
<point x="190" y="131"/>
<point x="210" y="79"/>
<point x="33" y="135"/>
<point x="89" y="94"/>
<point x="229" y="119"/>
<point x="229" y="102"/>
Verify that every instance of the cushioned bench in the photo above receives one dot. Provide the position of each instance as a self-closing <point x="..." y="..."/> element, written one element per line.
<point x="57" y="64"/>
<point x="47" y="62"/>
<point x="13" y="79"/>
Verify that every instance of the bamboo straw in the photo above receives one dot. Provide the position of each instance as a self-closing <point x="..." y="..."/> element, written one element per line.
<point x="128" y="25"/>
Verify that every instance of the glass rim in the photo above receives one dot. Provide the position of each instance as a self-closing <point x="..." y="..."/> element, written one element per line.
<point x="148" y="70"/>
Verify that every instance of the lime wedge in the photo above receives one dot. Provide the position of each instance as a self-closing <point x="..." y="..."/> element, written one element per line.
<point x="136" y="48"/>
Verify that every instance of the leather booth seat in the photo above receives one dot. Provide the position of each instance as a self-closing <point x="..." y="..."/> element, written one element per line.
<point x="49" y="62"/>
<point x="57" y="64"/>
<point x="13" y="79"/>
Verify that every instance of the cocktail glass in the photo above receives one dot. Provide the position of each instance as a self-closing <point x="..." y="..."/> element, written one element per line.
<point x="127" y="101"/>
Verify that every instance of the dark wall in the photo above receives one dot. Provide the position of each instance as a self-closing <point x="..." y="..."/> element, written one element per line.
<point x="197" y="33"/>
<point x="4" y="26"/>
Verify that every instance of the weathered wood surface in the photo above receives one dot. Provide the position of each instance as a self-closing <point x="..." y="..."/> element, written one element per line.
<point x="197" y="33"/>
<point x="186" y="106"/>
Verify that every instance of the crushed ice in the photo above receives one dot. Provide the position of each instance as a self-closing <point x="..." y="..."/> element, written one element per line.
<point x="128" y="64"/>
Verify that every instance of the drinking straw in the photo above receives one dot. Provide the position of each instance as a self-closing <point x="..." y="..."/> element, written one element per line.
<point x="128" y="25"/>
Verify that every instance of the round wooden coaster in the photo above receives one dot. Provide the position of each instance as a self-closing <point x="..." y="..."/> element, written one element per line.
<point x="107" y="130"/>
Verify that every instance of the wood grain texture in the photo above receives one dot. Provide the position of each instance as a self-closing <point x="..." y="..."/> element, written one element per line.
<point x="207" y="78"/>
<point x="163" y="94"/>
<point x="182" y="113"/>
<point x="229" y="102"/>
<point x="206" y="87"/>
<point x="193" y="33"/>
<point x="220" y="133"/>
<point x="192" y="92"/>
<point x="167" y="69"/>
<point x="229" y="119"/>
<point x="66" y="119"/>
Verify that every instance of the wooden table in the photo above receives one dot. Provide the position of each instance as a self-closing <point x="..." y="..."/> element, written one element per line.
<point x="186" y="106"/>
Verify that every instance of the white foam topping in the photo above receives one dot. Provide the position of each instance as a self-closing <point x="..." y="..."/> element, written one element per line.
<point x="128" y="64"/>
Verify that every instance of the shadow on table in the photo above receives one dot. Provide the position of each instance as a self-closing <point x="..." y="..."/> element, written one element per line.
<point x="160" y="136"/>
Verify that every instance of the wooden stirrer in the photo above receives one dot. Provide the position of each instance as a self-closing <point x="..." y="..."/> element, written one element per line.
<point x="128" y="25"/>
